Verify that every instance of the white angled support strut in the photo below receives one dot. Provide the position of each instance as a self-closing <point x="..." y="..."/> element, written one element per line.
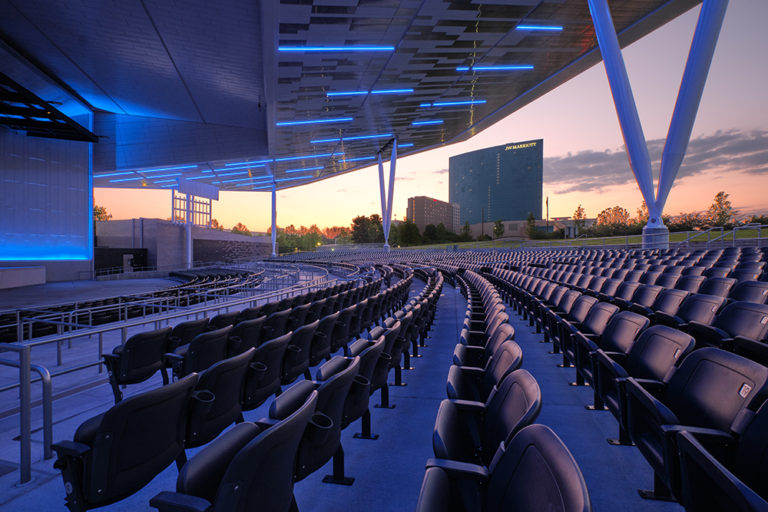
<point x="387" y="195"/>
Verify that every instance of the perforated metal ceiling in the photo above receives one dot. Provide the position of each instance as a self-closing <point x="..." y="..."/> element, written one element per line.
<point x="218" y="63"/>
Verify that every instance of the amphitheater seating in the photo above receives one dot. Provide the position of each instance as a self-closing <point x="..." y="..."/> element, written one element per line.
<point x="138" y="359"/>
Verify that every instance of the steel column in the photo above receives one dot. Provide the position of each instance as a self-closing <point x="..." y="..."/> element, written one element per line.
<point x="274" y="218"/>
<point x="624" y="101"/>
<point x="387" y="195"/>
<point x="688" y="98"/>
<point x="188" y="227"/>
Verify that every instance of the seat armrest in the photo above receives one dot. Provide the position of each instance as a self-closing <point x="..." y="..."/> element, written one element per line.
<point x="607" y="362"/>
<point x="704" y="435"/>
<point x="265" y="423"/>
<point x="70" y="449"/>
<point x="652" y="406"/>
<point x="110" y="358"/>
<point x="178" y="502"/>
<point x="654" y="387"/>
<point x="458" y="469"/>
<point x="471" y="371"/>
<point x="172" y="358"/>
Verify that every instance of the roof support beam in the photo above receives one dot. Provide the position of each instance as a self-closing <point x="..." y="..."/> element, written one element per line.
<point x="655" y="234"/>
<point x="688" y="98"/>
<point x="387" y="195"/>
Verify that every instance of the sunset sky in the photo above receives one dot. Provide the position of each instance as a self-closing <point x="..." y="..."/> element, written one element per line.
<point x="584" y="161"/>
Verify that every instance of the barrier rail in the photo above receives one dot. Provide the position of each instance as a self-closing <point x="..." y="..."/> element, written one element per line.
<point x="24" y="349"/>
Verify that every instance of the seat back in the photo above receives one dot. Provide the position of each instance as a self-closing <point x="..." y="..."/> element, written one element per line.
<point x="297" y="317"/>
<point x="711" y="388"/>
<point x="720" y="286"/>
<point x="535" y="471"/>
<point x="700" y="308"/>
<point x="690" y="283"/>
<point x="185" y="332"/>
<point x="581" y="308"/>
<point x="669" y="300"/>
<point x="276" y="324"/>
<point x="224" y="381"/>
<point x="245" y="335"/>
<point x="656" y="352"/>
<point x="746" y="319"/>
<point x="597" y="318"/>
<point x="621" y="331"/>
<point x="223" y="320"/>
<point x="296" y="358"/>
<point x="264" y="371"/>
<point x="507" y="358"/>
<point x="514" y="404"/>
<point x="646" y="294"/>
<point x="134" y="441"/>
<point x="321" y="340"/>
<point x="141" y="356"/>
<point x="206" y="349"/>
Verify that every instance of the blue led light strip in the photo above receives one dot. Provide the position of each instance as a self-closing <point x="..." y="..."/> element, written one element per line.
<point x="314" y="121"/>
<point x="510" y="67"/>
<point x="107" y="175"/>
<point x="295" y="178"/>
<point x="304" y="169"/>
<point x="452" y="103"/>
<point x="427" y="123"/>
<point x="360" y="159"/>
<point x="374" y="91"/>
<point x="335" y="48"/>
<point x="169" y="168"/>
<point x="358" y="137"/>
<point x="550" y="28"/>
<point x="406" y="145"/>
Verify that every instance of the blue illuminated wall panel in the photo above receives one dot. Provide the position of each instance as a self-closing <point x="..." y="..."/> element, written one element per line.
<point x="45" y="200"/>
<point x="498" y="183"/>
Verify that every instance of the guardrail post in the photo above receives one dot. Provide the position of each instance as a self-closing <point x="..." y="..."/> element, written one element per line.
<point x="25" y="416"/>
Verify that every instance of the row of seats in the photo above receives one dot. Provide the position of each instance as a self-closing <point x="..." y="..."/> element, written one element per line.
<point x="490" y="456"/>
<point x="341" y="387"/>
<point x="692" y="409"/>
<point x="740" y="326"/>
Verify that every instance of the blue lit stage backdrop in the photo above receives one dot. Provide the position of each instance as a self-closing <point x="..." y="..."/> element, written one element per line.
<point x="45" y="199"/>
<point x="499" y="183"/>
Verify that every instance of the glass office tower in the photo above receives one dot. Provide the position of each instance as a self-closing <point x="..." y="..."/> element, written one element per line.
<point x="499" y="183"/>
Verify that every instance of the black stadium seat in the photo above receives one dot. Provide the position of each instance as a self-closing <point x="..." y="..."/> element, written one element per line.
<point x="138" y="359"/>
<point x="250" y="464"/>
<point x="118" y="452"/>
<point x="534" y="472"/>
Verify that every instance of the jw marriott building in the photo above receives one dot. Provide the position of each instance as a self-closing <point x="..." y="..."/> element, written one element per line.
<point x="498" y="183"/>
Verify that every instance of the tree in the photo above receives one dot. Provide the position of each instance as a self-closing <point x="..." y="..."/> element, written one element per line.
<point x="615" y="216"/>
<point x="101" y="213"/>
<point x="215" y="225"/>
<point x="721" y="212"/>
<point x="367" y="230"/>
<point x="466" y="232"/>
<point x="687" y="222"/>
<point x="642" y="214"/>
<point x="409" y="233"/>
<point x="430" y="233"/>
<point x="240" y="229"/>
<point x="531" y="228"/>
<point x="579" y="218"/>
<point x="498" y="229"/>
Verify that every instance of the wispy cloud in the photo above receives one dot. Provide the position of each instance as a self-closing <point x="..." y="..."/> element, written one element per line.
<point x="726" y="152"/>
<point x="440" y="171"/>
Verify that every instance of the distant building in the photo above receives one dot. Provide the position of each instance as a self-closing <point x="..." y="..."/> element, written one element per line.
<point x="498" y="183"/>
<point x="423" y="211"/>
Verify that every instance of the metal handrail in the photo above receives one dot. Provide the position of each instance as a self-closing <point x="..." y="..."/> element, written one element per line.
<point x="25" y="408"/>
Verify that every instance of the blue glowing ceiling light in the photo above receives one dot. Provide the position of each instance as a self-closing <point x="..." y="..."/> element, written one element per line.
<point x="238" y="173"/>
<point x="232" y="168"/>
<point x="137" y="178"/>
<point x="406" y="145"/>
<point x="163" y="175"/>
<point x="347" y="139"/>
<point x="360" y="159"/>
<point x="427" y="123"/>
<point x="254" y="162"/>
<point x="198" y="177"/>
<point x="170" y="168"/>
<point x="550" y="28"/>
<point x="335" y="48"/>
<point x="164" y="181"/>
<point x="169" y="186"/>
<point x="452" y="103"/>
<point x="314" y="121"/>
<point x="234" y="180"/>
<point x="304" y="169"/>
<point x="374" y="91"/>
<point x="295" y="178"/>
<point x="510" y="67"/>
<point x="109" y="174"/>
<point x="306" y="157"/>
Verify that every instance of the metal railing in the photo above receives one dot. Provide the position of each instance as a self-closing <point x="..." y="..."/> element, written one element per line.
<point x="24" y="349"/>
